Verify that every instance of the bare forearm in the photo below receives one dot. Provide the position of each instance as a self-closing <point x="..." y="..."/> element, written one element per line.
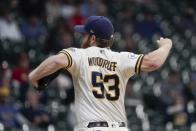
<point x="156" y="58"/>
<point x="46" y="68"/>
<point x="159" y="56"/>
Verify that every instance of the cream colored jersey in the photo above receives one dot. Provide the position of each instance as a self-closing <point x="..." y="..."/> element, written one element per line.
<point x="100" y="77"/>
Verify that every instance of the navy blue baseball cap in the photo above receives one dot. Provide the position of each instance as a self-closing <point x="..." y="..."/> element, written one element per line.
<point x="99" y="26"/>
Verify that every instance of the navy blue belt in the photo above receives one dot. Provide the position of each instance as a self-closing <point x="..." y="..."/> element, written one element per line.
<point x="103" y="124"/>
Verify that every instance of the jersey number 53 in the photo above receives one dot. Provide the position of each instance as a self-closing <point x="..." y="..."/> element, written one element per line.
<point x="110" y="92"/>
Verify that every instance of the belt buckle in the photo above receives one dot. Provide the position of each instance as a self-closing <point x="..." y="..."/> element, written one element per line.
<point x="113" y="125"/>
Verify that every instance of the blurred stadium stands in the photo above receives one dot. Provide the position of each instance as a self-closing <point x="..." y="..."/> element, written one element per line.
<point x="31" y="30"/>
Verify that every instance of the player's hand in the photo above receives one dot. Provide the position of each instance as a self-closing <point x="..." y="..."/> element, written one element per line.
<point x="44" y="82"/>
<point x="39" y="85"/>
<point x="164" y="42"/>
<point x="32" y="81"/>
<point x="35" y="83"/>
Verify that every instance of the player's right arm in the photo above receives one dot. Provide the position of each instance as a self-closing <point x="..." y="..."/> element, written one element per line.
<point x="156" y="58"/>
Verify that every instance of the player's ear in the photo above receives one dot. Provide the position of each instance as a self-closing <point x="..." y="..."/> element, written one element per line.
<point x="93" y="39"/>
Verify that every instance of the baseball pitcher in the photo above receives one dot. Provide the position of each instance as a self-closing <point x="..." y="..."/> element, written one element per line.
<point x="99" y="74"/>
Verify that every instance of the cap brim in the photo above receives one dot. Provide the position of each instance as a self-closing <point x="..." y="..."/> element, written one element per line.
<point x="79" y="28"/>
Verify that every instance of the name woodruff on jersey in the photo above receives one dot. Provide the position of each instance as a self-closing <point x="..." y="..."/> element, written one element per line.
<point x="98" y="61"/>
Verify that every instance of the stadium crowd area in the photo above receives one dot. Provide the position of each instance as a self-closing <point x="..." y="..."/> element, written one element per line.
<point x="32" y="30"/>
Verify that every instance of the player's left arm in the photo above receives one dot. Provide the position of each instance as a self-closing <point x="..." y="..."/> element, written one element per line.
<point x="48" y="67"/>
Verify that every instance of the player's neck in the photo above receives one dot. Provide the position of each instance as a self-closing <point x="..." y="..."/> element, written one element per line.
<point x="107" y="47"/>
<point x="103" y="47"/>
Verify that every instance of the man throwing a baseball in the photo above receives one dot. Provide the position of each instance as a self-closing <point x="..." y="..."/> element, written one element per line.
<point x="100" y="75"/>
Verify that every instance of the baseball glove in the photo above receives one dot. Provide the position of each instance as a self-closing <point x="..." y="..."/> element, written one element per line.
<point x="45" y="81"/>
